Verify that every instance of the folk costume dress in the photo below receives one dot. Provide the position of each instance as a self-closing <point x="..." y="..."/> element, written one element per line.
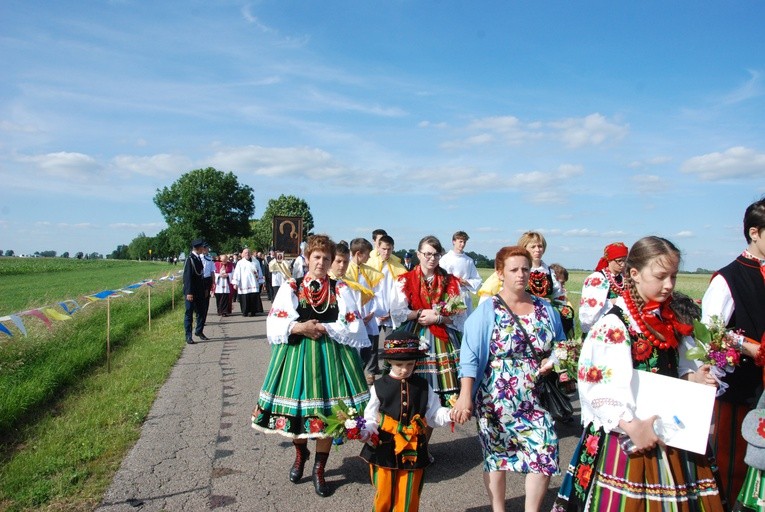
<point x="441" y="342"/>
<point x="462" y="266"/>
<point x="736" y="295"/>
<point x="599" y="291"/>
<point x="396" y="464"/>
<point x="307" y="377"/>
<point x="601" y="476"/>
<point x="515" y="432"/>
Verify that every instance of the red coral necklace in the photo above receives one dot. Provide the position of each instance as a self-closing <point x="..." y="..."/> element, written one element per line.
<point x="666" y="343"/>
<point x="615" y="286"/>
<point x="317" y="293"/>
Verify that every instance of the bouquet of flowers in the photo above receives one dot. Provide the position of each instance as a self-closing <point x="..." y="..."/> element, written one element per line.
<point x="449" y="306"/>
<point x="344" y="423"/>
<point x="565" y="357"/>
<point x="716" y="346"/>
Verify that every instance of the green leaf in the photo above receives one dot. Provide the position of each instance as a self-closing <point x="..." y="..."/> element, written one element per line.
<point x="701" y="332"/>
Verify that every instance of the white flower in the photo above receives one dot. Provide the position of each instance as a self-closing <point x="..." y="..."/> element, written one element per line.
<point x="352" y="411"/>
<point x="349" y="423"/>
<point x="561" y="354"/>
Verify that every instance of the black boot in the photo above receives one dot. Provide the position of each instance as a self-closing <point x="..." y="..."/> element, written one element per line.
<point x="301" y="456"/>
<point x="321" y="487"/>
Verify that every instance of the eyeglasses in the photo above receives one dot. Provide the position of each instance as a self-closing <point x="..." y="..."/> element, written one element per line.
<point x="620" y="261"/>
<point x="429" y="255"/>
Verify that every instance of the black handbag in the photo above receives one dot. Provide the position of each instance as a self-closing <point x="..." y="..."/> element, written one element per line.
<point x="551" y="396"/>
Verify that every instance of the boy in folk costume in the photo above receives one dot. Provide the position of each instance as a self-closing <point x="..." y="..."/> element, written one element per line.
<point x="462" y="266"/>
<point x="400" y="409"/>
<point x="391" y="269"/>
<point x="371" y="307"/>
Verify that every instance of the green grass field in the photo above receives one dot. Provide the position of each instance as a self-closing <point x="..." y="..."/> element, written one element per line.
<point x="34" y="282"/>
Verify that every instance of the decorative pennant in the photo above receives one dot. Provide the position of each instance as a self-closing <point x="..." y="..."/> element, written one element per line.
<point x="19" y="324"/>
<point x="102" y="295"/>
<point x="5" y="330"/>
<point x="55" y="315"/>
<point x="38" y="314"/>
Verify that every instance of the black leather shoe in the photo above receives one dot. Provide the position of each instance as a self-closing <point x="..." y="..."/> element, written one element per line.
<point x="203" y="337"/>
<point x="190" y="341"/>
<point x="301" y="456"/>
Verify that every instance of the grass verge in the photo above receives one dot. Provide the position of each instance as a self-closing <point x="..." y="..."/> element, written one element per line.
<point x="66" y="459"/>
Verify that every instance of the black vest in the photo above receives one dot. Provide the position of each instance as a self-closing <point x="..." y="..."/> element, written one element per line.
<point x="748" y="291"/>
<point x="401" y="400"/>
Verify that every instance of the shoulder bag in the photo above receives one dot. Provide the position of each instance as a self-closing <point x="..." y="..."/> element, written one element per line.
<point x="551" y="397"/>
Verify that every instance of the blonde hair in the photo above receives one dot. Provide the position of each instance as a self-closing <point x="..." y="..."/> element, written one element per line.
<point x="532" y="236"/>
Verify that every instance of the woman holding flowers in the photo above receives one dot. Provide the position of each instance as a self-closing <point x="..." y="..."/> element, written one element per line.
<point x="316" y="334"/>
<point x="640" y="332"/>
<point x="498" y="372"/>
<point x="735" y="297"/>
<point x="427" y="301"/>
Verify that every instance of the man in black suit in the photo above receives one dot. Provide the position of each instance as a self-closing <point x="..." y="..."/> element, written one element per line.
<point x="195" y="291"/>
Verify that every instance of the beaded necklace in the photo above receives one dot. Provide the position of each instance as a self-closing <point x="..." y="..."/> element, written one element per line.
<point x="660" y="342"/>
<point x="617" y="288"/>
<point x="539" y="283"/>
<point x="317" y="293"/>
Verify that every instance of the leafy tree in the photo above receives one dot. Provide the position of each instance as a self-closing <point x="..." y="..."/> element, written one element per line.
<point x="79" y="255"/>
<point x="207" y="203"/>
<point x="65" y="254"/>
<point x="263" y="228"/>
<point x="95" y="256"/>
<point x="9" y="252"/>
<point x="46" y="254"/>
<point x="120" y="253"/>
<point x="139" y="247"/>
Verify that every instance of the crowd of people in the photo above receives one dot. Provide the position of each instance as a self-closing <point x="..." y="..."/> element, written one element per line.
<point x="337" y="306"/>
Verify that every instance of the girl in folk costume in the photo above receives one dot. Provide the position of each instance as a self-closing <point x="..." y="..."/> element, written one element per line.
<point x="401" y="407"/>
<point x="640" y="332"/>
<point x="603" y="286"/>
<point x="247" y="278"/>
<point x="222" y="285"/>
<point x="316" y="333"/>
<point x="428" y="301"/>
<point x="736" y="295"/>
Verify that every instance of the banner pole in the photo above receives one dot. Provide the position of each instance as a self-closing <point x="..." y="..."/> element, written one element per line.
<point x="173" y="300"/>
<point x="149" y="308"/>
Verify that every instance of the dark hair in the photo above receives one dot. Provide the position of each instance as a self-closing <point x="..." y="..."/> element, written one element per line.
<point x="460" y="235"/>
<point x="341" y="248"/>
<point x="378" y="232"/>
<point x="385" y="239"/>
<point x="686" y="308"/>
<point x="431" y="241"/>
<point x="507" y="252"/>
<point x="559" y="269"/>
<point x="360" y="245"/>
<point x="320" y="243"/>
<point x="754" y="217"/>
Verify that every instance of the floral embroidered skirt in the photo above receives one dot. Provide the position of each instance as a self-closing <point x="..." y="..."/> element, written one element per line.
<point x="752" y="495"/>
<point x="602" y="478"/>
<point x="304" y="380"/>
<point x="439" y="366"/>
<point x="516" y="434"/>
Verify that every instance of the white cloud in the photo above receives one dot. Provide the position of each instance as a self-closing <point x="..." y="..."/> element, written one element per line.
<point x="734" y="163"/>
<point x="648" y="183"/>
<point x="68" y="165"/>
<point x="7" y="126"/>
<point x="684" y="234"/>
<point x="752" y="88"/>
<point x="657" y="160"/>
<point x="591" y="130"/>
<point x="162" y="165"/>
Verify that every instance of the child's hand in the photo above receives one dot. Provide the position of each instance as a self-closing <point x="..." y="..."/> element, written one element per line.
<point x="364" y="435"/>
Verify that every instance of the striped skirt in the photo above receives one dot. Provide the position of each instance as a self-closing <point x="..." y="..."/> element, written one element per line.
<point x="602" y="477"/>
<point x="729" y="446"/>
<point x="752" y="495"/>
<point x="439" y="366"/>
<point x="304" y="380"/>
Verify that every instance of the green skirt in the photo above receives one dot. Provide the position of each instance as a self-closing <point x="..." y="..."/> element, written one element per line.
<point x="752" y="495"/>
<point x="306" y="379"/>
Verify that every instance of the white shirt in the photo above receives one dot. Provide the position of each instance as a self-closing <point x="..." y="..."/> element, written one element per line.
<point x="462" y="266"/>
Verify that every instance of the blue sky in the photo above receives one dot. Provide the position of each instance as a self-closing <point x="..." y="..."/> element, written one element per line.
<point x="592" y="122"/>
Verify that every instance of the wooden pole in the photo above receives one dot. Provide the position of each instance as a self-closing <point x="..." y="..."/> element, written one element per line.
<point x="149" y="308"/>
<point x="173" y="300"/>
<point x="108" y="341"/>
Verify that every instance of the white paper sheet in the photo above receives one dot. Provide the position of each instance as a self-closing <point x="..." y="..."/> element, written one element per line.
<point x="685" y="407"/>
